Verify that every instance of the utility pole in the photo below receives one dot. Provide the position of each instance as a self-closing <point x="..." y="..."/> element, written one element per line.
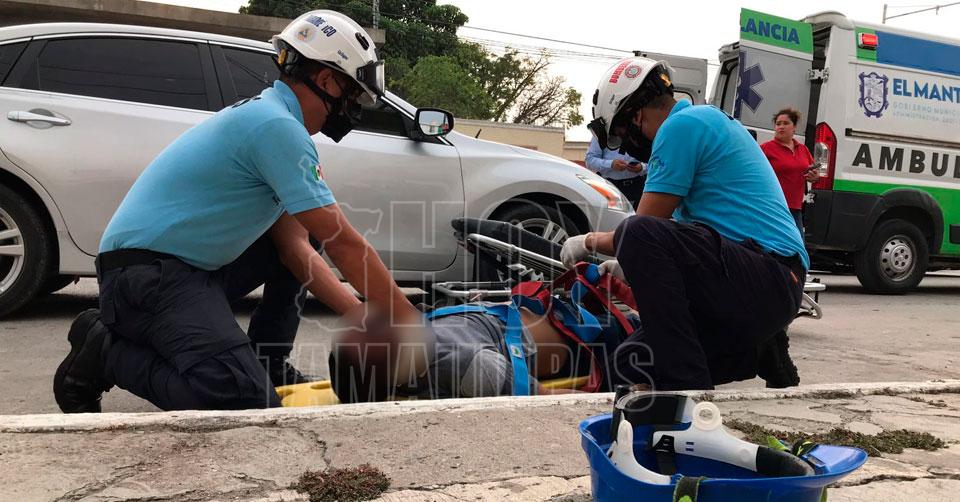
<point x="934" y="8"/>
<point x="376" y="13"/>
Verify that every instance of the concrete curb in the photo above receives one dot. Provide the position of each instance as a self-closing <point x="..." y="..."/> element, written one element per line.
<point x="221" y="420"/>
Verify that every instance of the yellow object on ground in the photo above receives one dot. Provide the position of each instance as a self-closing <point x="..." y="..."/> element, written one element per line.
<point x="566" y="383"/>
<point x="320" y="393"/>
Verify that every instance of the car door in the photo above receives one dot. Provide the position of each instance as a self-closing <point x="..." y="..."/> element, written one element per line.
<point x="85" y="114"/>
<point x="400" y="193"/>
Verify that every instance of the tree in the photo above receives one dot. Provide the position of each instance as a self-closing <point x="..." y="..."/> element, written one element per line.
<point x="414" y="28"/>
<point x="520" y="87"/>
<point x="428" y="65"/>
<point x="438" y="81"/>
<point x="547" y="102"/>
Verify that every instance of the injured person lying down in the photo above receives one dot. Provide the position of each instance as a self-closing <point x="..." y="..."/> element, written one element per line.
<point x="482" y="349"/>
<point x="539" y="343"/>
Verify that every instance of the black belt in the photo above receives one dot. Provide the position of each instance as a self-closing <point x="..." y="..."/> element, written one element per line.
<point x="120" y="258"/>
<point x="628" y="181"/>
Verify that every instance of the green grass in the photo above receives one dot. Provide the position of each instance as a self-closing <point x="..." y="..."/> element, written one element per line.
<point x="874" y="444"/>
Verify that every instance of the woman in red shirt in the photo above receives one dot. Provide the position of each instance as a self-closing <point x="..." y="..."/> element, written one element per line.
<point x="791" y="161"/>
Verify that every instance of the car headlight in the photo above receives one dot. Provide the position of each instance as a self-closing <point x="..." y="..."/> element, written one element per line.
<point x="615" y="199"/>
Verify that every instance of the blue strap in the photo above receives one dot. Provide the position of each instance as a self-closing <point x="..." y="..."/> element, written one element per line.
<point x="509" y="315"/>
<point x="592" y="274"/>
<point x="581" y="322"/>
<point x="514" y="339"/>
<point x="463" y="309"/>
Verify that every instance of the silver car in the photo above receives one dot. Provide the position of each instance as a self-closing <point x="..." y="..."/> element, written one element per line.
<point x="88" y="106"/>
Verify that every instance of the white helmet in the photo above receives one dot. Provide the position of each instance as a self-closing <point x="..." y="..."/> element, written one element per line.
<point x="625" y="79"/>
<point x="336" y="41"/>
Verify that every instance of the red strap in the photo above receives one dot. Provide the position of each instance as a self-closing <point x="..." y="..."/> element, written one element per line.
<point x="608" y="286"/>
<point x="596" y="377"/>
<point x="619" y="289"/>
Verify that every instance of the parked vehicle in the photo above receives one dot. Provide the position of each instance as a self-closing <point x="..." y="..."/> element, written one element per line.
<point x="88" y="106"/>
<point x="882" y="110"/>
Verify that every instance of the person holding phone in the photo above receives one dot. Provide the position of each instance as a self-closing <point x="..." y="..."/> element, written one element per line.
<point x="625" y="172"/>
<point x="791" y="161"/>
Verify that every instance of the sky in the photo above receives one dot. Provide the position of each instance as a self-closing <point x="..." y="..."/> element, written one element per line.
<point x="696" y="29"/>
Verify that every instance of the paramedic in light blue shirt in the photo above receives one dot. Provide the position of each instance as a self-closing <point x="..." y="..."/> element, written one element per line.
<point x="717" y="284"/>
<point x="229" y="206"/>
<point x="624" y="171"/>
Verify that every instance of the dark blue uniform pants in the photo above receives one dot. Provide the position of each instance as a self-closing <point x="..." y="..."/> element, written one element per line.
<point x="176" y="342"/>
<point x="706" y="303"/>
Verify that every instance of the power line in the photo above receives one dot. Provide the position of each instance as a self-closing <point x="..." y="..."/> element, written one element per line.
<point x="503" y="46"/>
<point x="546" y="39"/>
<point x="398" y="16"/>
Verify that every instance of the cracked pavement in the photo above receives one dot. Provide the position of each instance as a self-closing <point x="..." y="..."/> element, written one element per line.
<point x="517" y="449"/>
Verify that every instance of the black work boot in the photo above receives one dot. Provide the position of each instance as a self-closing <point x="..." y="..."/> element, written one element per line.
<point x="282" y="373"/>
<point x="79" y="382"/>
<point x="775" y="365"/>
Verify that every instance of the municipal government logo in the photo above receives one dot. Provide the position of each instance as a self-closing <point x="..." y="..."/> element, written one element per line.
<point x="873" y="94"/>
<point x="305" y="34"/>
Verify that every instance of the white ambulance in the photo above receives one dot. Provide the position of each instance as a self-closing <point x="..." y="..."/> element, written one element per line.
<point x="881" y="113"/>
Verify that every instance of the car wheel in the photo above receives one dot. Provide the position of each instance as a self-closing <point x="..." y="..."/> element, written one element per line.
<point x="25" y="251"/>
<point x="547" y="222"/>
<point x="894" y="259"/>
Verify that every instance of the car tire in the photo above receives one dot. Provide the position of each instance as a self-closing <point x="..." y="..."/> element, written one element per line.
<point x="26" y="251"/>
<point x="894" y="260"/>
<point x="545" y="221"/>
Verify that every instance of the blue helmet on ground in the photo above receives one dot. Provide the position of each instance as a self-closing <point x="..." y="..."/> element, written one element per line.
<point x="666" y="447"/>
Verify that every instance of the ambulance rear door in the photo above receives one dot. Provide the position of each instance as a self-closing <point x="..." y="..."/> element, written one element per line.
<point x="773" y="71"/>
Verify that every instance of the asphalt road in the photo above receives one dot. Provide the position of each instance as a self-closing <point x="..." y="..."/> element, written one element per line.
<point x="862" y="338"/>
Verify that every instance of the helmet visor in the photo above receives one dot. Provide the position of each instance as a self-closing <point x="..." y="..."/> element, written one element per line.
<point x="598" y="127"/>
<point x="371" y="78"/>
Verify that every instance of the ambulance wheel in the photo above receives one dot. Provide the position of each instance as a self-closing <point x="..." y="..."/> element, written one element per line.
<point x="26" y="251"/>
<point x="894" y="259"/>
<point x="547" y="222"/>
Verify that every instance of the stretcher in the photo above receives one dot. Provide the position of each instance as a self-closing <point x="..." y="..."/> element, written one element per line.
<point x="320" y="393"/>
<point x="519" y="255"/>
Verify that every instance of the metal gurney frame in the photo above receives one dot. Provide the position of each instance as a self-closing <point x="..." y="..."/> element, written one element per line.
<point x="521" y="264"/>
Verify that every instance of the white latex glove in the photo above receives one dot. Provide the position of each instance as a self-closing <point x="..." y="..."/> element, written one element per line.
<point x="574" y="250"/>
<point x="612" y="267"/>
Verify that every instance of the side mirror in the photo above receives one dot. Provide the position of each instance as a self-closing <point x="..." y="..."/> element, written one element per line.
<point x="433" y="122"/>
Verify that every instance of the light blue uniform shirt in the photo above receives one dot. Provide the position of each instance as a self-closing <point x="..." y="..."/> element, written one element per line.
<point x="710" y="160"/>
<point x="222" y="184"/>
<point x="600" y="161"/>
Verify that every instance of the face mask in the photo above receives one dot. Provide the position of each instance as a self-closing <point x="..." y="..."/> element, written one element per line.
<point x="635" y="144"/>
<point x="341" y="115"/>
<point x="337" y="126"/>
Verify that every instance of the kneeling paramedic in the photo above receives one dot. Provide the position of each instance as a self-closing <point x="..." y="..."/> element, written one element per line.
<point x="716" y="285"/>
<point x="228" y="207"/>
